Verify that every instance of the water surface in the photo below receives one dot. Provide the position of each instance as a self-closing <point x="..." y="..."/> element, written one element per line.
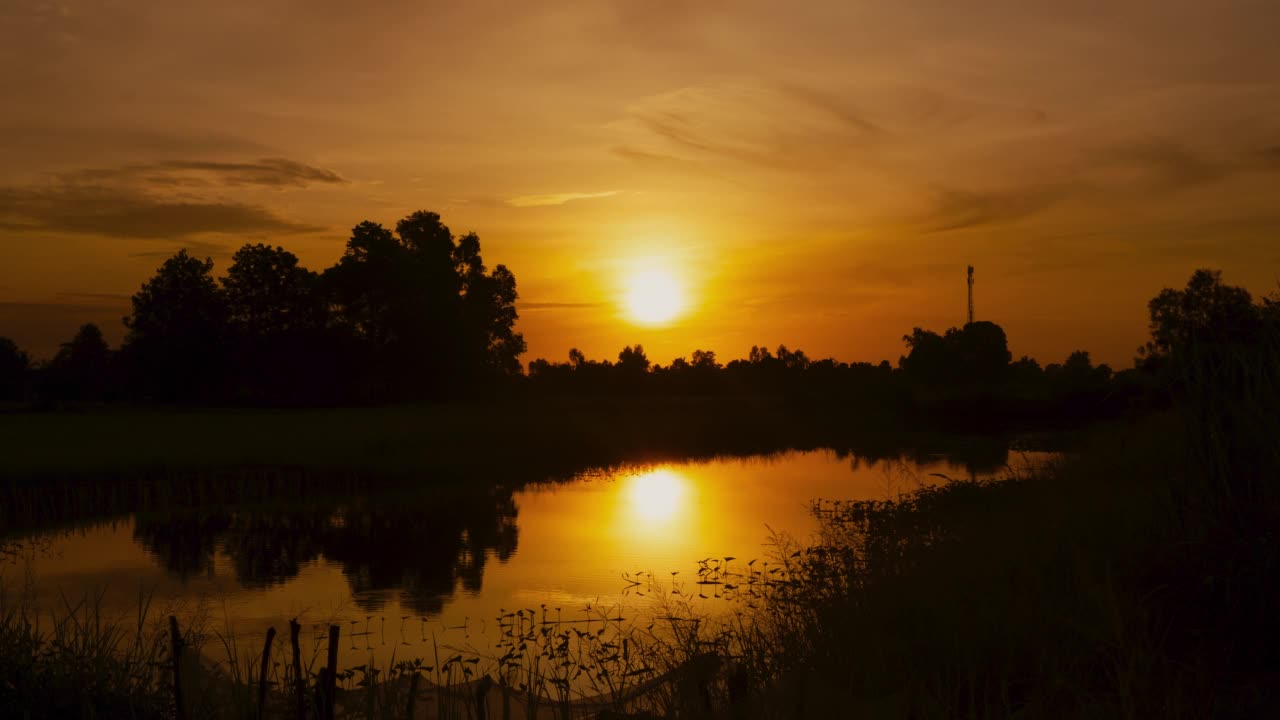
<point x="398" y="566"/>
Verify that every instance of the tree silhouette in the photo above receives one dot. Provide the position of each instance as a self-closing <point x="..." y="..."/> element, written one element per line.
<point x="981" y="350"/>
<point x="269" y="294"/>
<point x="422" y="304"/>
<point x="276" y="321"/>
<point x="928" y="358"/>
<point x="174" y="347"/>
<point x="977" y="354"/>
<point x="14" y="367"/>
<point x="1205" y="312"/>
<point x="632" y="360"/>
<point x="704" y="360"/>
<point x="80" y="369"/>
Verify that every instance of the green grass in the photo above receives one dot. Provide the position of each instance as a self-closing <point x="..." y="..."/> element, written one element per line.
<point x="446" y="440"/>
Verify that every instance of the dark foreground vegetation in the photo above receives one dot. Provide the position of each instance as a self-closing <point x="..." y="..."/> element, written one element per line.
<point x="1136" y="578"/>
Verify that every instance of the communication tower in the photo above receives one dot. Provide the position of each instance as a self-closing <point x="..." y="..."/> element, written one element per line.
<point x="970" y="294"/>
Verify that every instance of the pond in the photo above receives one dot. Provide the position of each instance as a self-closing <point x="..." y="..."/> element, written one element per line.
<point x="396" y="567"/>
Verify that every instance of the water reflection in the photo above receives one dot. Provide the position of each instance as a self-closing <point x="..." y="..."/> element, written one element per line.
<point x="267" y="548"/>
<point x="419" y="547"/>
<point x="657" y="497"/>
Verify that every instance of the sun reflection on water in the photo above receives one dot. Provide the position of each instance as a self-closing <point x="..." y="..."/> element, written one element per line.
<point x="657" y="496"/>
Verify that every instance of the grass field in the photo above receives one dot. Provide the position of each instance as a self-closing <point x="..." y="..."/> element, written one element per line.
<point x="445" y="440"/>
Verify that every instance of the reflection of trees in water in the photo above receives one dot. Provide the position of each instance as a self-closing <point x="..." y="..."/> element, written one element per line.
<point x="423" y="554"/>
<point x="978" y="455"/>
<point x="420" y="546"/>
<point x="184" y="543"/>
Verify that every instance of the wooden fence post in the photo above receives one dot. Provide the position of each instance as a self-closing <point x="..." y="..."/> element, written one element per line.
<point x="299" y="682"/>
<point x="262" y="673"/>
<point x="176" y="645"/>
<point x="331" y="674"/>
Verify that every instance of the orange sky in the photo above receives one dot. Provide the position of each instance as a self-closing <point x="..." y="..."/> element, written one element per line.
<point x="817" y="173"/>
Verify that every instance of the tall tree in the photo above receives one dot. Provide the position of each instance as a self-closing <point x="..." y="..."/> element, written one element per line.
<point x="174" y="347"/>
<point x="268" y="294"/>
<point x="1206" y="312"/>
<point x="14" y="368"/>
<point x="632" y="361"/>
<point x="80" y="369"/>
<point x="424" y="306"/>
<point x="976" y="354"/>
<point x="276" y="319"/>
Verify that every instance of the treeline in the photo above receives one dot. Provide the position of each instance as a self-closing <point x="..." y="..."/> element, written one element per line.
<point x="412" y="314"/>
<point x="965" y="372"/>
<point x="965" y="375"/>
<point x="415" y="315"/>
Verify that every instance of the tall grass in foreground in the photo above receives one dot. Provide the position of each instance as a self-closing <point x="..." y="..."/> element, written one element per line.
<point x="544" y="665"/>
<point x="1137" y="580"/>
<point x="74" y="663"/>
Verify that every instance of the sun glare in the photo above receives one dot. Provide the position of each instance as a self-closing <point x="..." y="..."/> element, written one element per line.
<point x="655" y="496"/>
<point x="654" y="297"/>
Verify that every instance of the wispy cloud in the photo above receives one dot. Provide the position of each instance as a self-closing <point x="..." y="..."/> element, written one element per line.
<point x="963" y="209"/>
<point x="525" y="201"/>
<point x="166" y="200"/>
<point x="268" y="172"/>
<point x="557" y="305"/>
<point x="123" y="212"/>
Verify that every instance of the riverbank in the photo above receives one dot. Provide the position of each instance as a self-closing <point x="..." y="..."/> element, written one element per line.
<point x="533" y="439"/>
<point x="1132" y="580"/>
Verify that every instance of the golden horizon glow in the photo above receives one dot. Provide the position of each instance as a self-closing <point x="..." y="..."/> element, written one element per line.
<point x="654" y="297"/>
<point x="818" y="177"/>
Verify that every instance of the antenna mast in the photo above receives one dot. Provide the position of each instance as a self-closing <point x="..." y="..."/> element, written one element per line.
<point x="970" y="294"/>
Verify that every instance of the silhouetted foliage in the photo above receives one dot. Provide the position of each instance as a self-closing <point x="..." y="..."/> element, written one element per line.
<point x="174" y="348"/>
<point x="426" y="315"/>
<point x="276" y="327"/>
<point x="975" y="355"/>
<point x="415" y="313"/>
<point x="268" y="294"/>
<point x="81" y="369"/>
<point x="14" y="368"/>
<point x="633" y="361"/>
<point x="1205" y="312"/>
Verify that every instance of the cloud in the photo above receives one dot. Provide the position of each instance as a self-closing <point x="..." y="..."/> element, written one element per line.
<point x="834" y="106"/>
<point x="1168" y="164"/>
<point x="771" y="126"/>
<point x="1144" y="168"/>
<point x="1269" y="158"/>
<point x="268" y="172"/>
<point x="124" y="212"/>
<point x="643" y="156"/>
<point x="556" y="198"/>
<point x="168" y="199"/>
<point x="557" y="305"/>
<point x="955" y="209"/>
<point x="50" y="140"/>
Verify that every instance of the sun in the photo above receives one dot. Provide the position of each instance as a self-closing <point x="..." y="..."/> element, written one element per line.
<point x="654" y="297"/>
